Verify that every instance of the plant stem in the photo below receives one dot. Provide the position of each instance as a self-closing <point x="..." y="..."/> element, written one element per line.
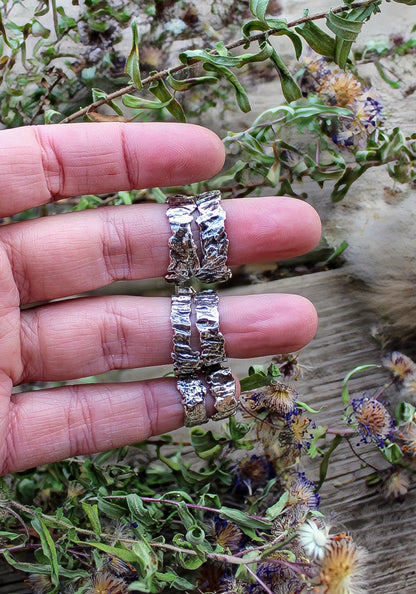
<point x="164" y="73"/>
<point x="213" y="510"/>
<point x="361" y="458"/>
<point x="259" y="580"/>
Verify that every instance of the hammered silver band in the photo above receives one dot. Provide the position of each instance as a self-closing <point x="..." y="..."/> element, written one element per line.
<point x="222" y="387"/>
<point x="207" y="323"/>
<point x="200" y="309"/>
<point x="214" y="241"/>
<point x="193" y="394"/>
<point x="219" y="379"/>
<point x="185" y="359"/>
<point x="184" y="261"/>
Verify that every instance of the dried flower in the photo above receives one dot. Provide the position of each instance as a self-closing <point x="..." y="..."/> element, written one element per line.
<point x="278" y="444"/>
<point x="314" y="538"/>
<point x="119" y="567"/>
<point x="303" y="491"/>
<point x="315" y="69"/>
<point x="342" y="568"/>
<point x="292" y="518"/>
<point x="400" y="365"/>
<point x="105" y="583"/>
<point x="408" y="390"/>
<point x="407" y="437"/>
<point x="397" y="484"/>
<point x="227" y="534"/>
<point x="373" y="420"/>
<point x="252" y="473"/>
<point x="299" y="425"/>
<point x="39" y="584"/>
<point x="277" y="398"/>
<point x="289" y="365"/>
<point x="340" y="88"/>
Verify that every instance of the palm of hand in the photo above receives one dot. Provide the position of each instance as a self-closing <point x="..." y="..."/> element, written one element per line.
<point x="45" y="262"/>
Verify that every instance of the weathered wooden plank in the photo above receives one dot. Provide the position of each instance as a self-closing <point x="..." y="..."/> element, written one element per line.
<point x="344" y="341"/>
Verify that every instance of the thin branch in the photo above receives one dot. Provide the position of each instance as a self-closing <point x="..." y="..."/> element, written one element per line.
<point x="240" y="42"/>
<point x="259" y="580"/>
<point x="377" y="470"/>
<point x="213" y="510"/>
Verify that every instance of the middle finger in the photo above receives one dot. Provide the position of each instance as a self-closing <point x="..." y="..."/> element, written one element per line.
<point x="74" y="253"/>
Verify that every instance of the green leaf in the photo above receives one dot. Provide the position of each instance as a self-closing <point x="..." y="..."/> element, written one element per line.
<point x="257" y="377"/>
<point x="98" y="94"/>
<point x="317" y="39"/>
<point x="405" y="412"/>
<point x="290" y="89"/>
<point x="205" y="444"/>
<point x="110" y="509"/>
<point x="346" y="29"/>
<point x="188" y="83"/>
<point x="317" y="433"/>
<point x="275" y="510"/>
<point x="259" y="8"/>
<point x="52" y="116"/>
<point x="392" y="453"/>
<point x="160" y="90"/>
<point x="323" y="468"/>
<point x="139" y="511"/>
<point x="48" y="547"/>
<point x="119" y="551"/>
<point x="243" y="519"/>
<point x="125" y="197"/>
<point x="132" y="63"/>
<point x="92" y="513"/>
<point x="145" y="557"/>
<point x="175" y="581"/>
<point x="10" y="535"/>
<point x="306" y="407"/>
<point x="159" y="196"/>
<point x="44" y="569"/>
<point x="337" y="252"/>
<point x="240" y="93"/>
<point x="350" y="175"/>
<point x="195" y="535"/>
<point x="139" y="103"/>
<point x="187" y="518"/>
<point x="345" y="394"/>
<point x="274" y="27"/>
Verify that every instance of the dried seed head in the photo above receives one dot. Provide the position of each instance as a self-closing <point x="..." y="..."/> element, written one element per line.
<point x="400" y="365"/>
<point x="373" y="420"/>
<point x="342" y="568"/>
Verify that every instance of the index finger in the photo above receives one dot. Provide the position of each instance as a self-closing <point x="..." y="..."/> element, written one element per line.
<point x="40" y="164"/>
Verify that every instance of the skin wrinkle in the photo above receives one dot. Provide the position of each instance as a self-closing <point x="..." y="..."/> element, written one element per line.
<point x="14" y="253"/>
<point x="116" y="247"/>
<point x="150" y="412"/>
<point x="127" y="161"/>
<point x="28" y="335"/>
<point x="12" y="438"/>
<point x="78" y="416"/>
<point x="114" y="331"/>
<point x="52" y="167"/>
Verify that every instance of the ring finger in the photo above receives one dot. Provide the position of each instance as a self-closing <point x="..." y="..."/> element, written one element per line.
<point x="127" y="332"/>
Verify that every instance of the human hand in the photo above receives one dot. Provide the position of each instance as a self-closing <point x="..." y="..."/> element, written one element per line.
<point x="61" y="256"/>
